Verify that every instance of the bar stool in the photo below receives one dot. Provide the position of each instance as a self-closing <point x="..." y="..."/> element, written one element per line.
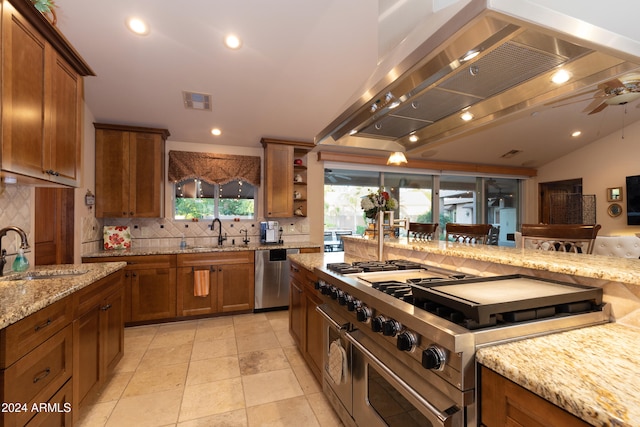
<point x="468" y="233"/>
<point x="421" y="230"/>
<point x="577" y="238"/>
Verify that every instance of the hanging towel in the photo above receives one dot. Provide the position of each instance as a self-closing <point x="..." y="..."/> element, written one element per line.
<point x="201" y="283"/>
<point x="337" y="362"/>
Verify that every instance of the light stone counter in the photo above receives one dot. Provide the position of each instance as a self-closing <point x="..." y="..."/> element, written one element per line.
<point x="20" y="297"/>
<point x="161" y="250"/>
<point x="591" y="372"/>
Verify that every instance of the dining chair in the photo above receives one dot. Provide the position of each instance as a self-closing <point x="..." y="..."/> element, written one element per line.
<point x="421" y="231"/>
<point x="577" y="238"/>
<point x="468" y="233"/>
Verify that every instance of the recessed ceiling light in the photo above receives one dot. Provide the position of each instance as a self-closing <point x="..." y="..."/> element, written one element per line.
<point x="232" y="42"/>
<point x="216" y="132"/>
<point x="466" y="116"/>
<point x="413" y="138"/>
<point x="576" y="134"/>
<point x="560" y="76"/>
<point x="137" y="26"/>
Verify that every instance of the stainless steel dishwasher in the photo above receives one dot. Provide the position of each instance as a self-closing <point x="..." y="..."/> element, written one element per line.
<point x="272" y="278"/>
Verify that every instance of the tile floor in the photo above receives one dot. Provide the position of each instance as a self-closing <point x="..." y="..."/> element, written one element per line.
<point x="241" y="370"/>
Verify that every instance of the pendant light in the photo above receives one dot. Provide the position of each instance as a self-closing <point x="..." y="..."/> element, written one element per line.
<point x="396" y="158"/>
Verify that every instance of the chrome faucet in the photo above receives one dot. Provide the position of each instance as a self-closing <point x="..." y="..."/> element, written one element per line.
<point x="24" y="244"/>
<point x="213" y="225"/>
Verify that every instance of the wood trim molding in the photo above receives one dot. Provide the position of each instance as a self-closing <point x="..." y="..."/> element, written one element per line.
<point x="297" y="144"/>
<point x="428" y="164"/>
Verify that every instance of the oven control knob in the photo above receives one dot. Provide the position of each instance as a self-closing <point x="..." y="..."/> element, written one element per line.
<point x="377" y="323"/>
<point x="433" y="358"/>
<point x="335" y="292"/>
<point x="363" y="313"/>
<point x="343" y="298"/>
<point x="406" y="341"/>
<point x="352" y="304"/>
<point x="326" y="290"/>
<point x="391" y="327"/>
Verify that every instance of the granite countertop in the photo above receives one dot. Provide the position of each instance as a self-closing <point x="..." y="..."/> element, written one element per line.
<point x="174" y="250"/>
<point x="624" y="270"/>
<point x="590" y="372"/>
<point x="20" y="297"/>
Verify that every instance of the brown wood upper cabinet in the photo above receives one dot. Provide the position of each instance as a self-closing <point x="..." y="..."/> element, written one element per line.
<point x="43" y="75"/>
<point x="279" y="176"/>
<point x="129" y="171"/>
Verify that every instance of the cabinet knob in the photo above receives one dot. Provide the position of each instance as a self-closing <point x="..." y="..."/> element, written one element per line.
<point x="106" y="307"/>
<point x="131" y="213"/>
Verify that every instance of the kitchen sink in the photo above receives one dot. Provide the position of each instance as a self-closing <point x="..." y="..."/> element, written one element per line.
<point x="44" y="275"/>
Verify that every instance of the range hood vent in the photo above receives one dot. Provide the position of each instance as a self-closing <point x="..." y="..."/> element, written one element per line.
<point x="511" y="70"/>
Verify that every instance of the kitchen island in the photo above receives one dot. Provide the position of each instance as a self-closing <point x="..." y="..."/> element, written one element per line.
<point x="564" y="368"/>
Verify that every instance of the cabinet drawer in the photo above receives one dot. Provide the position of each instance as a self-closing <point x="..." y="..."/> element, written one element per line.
<point x="38" y="375"/>
<point x="309" y="281"/>
<point x="139" y="262"/>
<point x="18" y="339"/>
<point x="87" y="298"/>
<point x="59" y="410"/>
<point x="213" y="258"/>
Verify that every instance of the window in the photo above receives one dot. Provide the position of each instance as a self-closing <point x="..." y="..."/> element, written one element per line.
<point x="197" y="199"/>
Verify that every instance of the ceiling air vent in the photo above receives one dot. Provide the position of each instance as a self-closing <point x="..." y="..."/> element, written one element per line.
<point x="196" y="101"/>
<point x="510" y="154"/>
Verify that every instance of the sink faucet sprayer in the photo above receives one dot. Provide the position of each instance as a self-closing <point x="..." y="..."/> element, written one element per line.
<point x="24" y="244"/>
<point x="220" y="238"/>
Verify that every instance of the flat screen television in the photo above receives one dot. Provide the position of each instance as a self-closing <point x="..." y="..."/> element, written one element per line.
<point x="633" y="200"/>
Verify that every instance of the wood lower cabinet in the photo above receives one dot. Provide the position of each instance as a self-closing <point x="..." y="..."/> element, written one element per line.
<point x="305" y="323"/>
<point x="505" y="403"/>
<point x="98" y="334"/>
<point x="231" y="282"/>
<point x="37" y="77"/>
<point x="129" y="171"/>
<point x="149" y="286"/>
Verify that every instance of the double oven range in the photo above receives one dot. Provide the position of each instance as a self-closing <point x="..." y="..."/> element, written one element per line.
<point x="400" y="337"/>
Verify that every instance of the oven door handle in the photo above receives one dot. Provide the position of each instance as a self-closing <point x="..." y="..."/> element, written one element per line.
<point x="443" y="418"/>
<point x="332" y="322"/>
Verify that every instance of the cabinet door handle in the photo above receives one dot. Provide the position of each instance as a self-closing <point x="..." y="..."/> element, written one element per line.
<point x="105" y="307"/>
<point x="295" y="269"/>
<point x="42" y="375"/>
<point x="42" y="325"/>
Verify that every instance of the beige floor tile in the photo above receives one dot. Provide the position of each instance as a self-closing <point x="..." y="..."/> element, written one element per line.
<point x="324" y="412"/>
<point x="95" y="415"/>
<point x="284" y="337"/>
<point x="114" y="387"/>
<point x="307" y="380"/>
<point x="269" y="387"/>
<point x="130" y="360"/>
<point x="294" y="355"/>
<point x="207" y="399"/>
<point x="284" y="413"/>
<point x="215" y="322"/>
<point x="173" y="336"/>
<point x="252" y="329"/>
<point x="154" y="380"/>
<point x="210" y="333"/>
<point x="263" y="341"/>
<point x="237" y="418"/>
<point x="250" y="318"/>
<point x="216" y="348"/>
<point x="147" y="410"/>
<point x="164" y="356"/>
<point x="256" y="362"/>
<point x="215" y="369"/>
<point x="279" y="323"/>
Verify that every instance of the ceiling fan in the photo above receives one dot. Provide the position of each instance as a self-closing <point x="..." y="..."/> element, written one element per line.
<point x="333" y="177"/>
<point x="613" y="92"/>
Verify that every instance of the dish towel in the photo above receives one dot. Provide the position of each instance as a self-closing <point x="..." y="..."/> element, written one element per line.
<point x="201" y="283"/>
<point x="337" y="361"/>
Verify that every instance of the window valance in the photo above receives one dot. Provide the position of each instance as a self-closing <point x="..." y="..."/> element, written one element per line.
<point x="213" y="168"/>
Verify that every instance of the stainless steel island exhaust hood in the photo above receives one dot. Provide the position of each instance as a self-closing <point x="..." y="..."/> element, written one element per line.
<point x="487" y="62"/>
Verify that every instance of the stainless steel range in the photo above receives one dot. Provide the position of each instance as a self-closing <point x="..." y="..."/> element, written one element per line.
<point x="400" y="337"/>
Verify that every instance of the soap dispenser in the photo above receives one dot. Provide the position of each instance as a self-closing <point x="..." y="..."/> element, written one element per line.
<point x="21" y="263"/>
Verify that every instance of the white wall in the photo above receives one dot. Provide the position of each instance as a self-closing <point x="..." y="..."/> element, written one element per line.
<point x="601" y="165"/>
